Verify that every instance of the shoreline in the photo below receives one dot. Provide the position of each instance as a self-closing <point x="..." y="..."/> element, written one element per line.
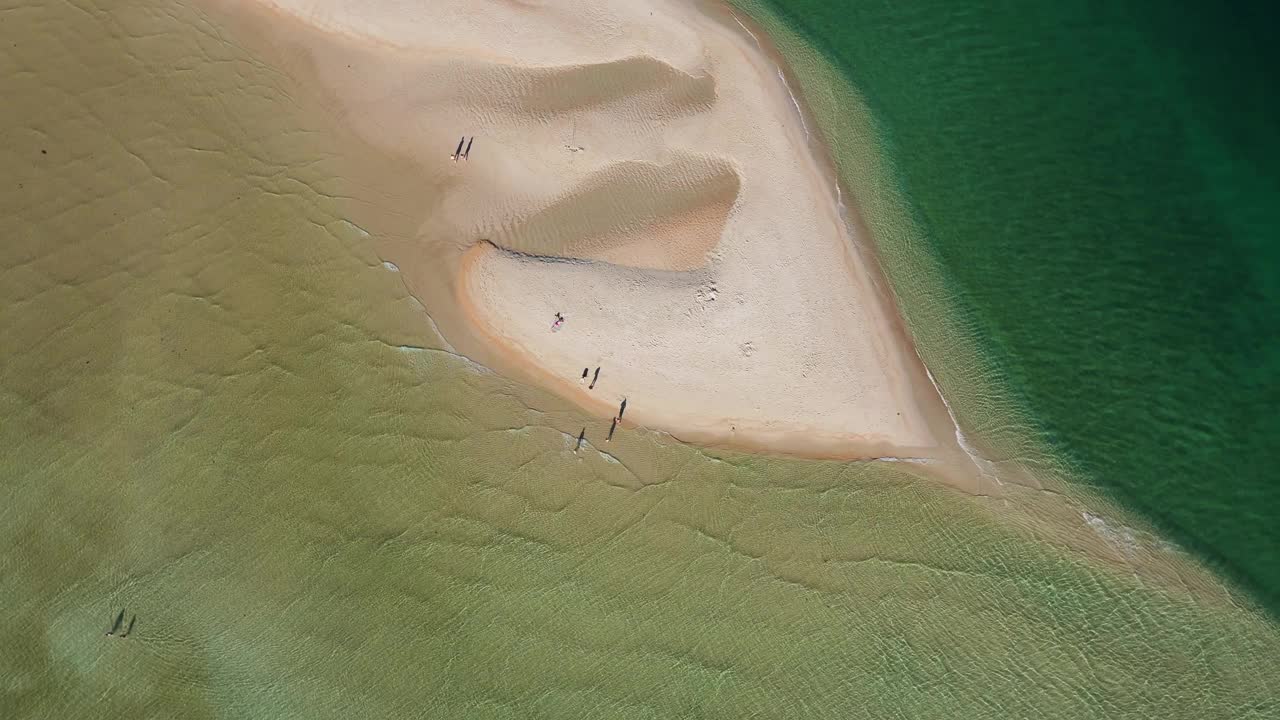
<point x="853" y="217"/>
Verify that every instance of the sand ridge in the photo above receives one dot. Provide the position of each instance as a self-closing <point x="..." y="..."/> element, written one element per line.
<point x="643" y="169"/>
<point x="662" y="217"/>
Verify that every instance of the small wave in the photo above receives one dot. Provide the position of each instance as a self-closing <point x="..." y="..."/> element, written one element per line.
<point x="781" y="76"/>
<point x="363" y="233"/>
<point x="1123" y="538"/>
<point x="985" y="466"/>
<point x="795" y="102"/>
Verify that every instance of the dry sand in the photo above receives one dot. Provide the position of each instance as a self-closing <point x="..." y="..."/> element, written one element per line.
<point x="641" y="167"/>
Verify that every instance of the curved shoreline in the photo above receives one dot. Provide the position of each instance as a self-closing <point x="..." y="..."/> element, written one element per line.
<point x="433" y="250"/>
<point x="972" y="448"/>
<point x="827" y="368"/>
<point x="741" y="434"/>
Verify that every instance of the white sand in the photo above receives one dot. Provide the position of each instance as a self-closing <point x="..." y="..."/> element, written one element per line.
<point x="641" y="167"/>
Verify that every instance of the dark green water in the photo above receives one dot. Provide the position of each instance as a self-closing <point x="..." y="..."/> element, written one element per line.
<point x="1099" y="180"/>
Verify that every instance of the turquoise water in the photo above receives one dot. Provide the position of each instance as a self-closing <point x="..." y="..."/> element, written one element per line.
<point x="1099" y="181"/>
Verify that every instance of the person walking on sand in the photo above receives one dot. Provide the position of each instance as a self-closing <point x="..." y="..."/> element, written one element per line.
<point x="458" y="153"/>
<point x="592" y="386"/>
<point x="466" y="154"/>
<point x="559" y="321"/>
<point x="621" y="409"/>
<point x="583" y="381"/>
<point x="581" y="435"/>
<point x="612" y="427"/>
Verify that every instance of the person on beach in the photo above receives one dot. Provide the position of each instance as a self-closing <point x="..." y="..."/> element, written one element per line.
<point x="458" y="153"/>
<point x="581" y="435"/>
<point x="584" y="376"/>
<point x="621" y="409"/>
<point x="592" y="386"/>
<point x="612" y="427"/>
<point x="466" y="154"/>
<point x="559" y="321"/>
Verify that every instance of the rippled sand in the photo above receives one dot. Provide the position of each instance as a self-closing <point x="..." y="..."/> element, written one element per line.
<point x="222" y="412"/>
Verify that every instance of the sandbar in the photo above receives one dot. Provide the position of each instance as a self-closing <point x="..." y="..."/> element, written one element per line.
<point x="642" y="168"/>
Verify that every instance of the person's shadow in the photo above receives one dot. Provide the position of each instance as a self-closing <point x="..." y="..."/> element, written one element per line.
<point x="116" y="625"/>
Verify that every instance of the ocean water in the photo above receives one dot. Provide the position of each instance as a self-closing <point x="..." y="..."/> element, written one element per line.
<point x="1098" y="184"/>
<point x="222" y="414"/>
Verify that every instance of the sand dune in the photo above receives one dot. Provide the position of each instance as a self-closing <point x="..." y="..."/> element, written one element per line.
<point x="548" y="92"/>
<point x="663" y="217"/>
<point x="642" y="168"/>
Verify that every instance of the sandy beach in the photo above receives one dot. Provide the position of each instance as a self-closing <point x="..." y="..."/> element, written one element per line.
<point x="642" y="169"/>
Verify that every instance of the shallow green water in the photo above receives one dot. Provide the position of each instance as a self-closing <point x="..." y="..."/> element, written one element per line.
<point x="1099" y="182"/>
<point x="214" y="418"/>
